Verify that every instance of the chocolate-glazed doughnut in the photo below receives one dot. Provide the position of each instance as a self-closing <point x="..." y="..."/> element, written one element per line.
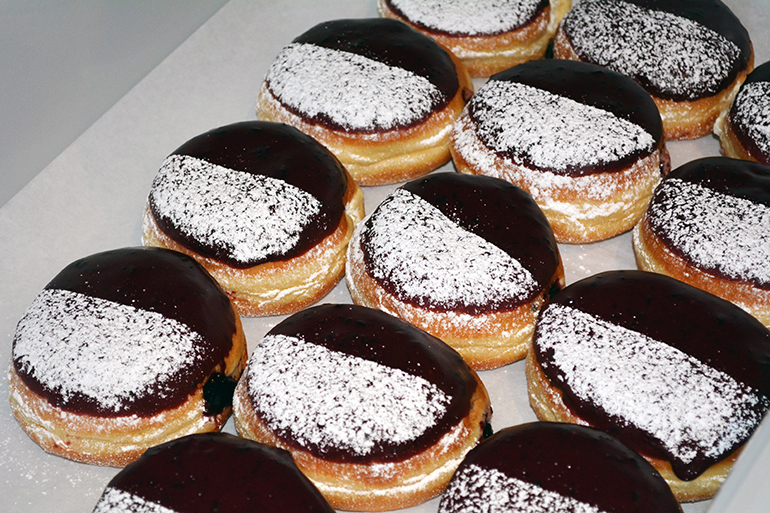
<point x="377" y="413"/>
<point x="469" y="259"/>
<point x="123" y="350"/>
<point x="586" y="142"/>
<point x="266" y="209"/>
<point x="487" y="36"/>
<point x="690" y="55"/>
<point x="209" y="472"/>
<point x="542" y="467"/>
<point x="708" y="224"/>
<point x="379" y="94"/>
<point x="675" y="373"/>
<point x="742" y="129"/>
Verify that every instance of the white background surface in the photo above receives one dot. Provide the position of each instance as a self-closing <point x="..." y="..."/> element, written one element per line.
<point x="91" y="196"/>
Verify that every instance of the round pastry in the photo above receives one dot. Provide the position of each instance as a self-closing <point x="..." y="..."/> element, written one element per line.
<point x="377" y="413"/>
<point x="690" y="55"/>
<point x="546" y="467"/>
<point x="266" y="209"/>
<point x="487" y="36"/>
<point x="708" y="224"/>
<point x="586" y="142"/>
<point x="124" y="350"/>
<point x="469" y="259"/>
<point x="379" y="94"/>
<point x="675" y="373"/>
<point x="742" y="129"/>
<point x="210" y="472"/>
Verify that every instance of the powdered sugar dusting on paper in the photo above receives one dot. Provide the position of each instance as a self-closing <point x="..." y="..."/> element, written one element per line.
<point x="677" y="56"/>
<point x="752" y="113"/>
<point x="251" y="217"/>
<point x="433" y="261"/>
<point x="716" y="231"/>
<point x="333" y="400"/>
<point x="115" y="500"/>
<point x="689" y="407"/>
<point x="479" y="17"/>
<point x="111" y="353"/>
<point x="549" y="131"/>
<point x="474" y="489"/>
<point x="353" y="91"/>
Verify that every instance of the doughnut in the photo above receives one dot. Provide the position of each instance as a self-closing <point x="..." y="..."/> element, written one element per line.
<point x="587" y="143"/>
<point x="742" y="129"/>
<point x="208" y="472"/>
<point x="266" y="209"/>
<point x="545" y="467"/>
<point x="124" y="350"/>
<point x="690" y="55"/>
<point x="377" y="413"/>
<point x="487" y="36"/>
<point x="379" y="94"/>
<point x="677" y="374"/>
<point x="469" y="259"/>
<point x="708" y="225"/>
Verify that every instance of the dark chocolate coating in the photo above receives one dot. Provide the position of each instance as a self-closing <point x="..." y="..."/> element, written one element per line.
<point x="220" y="472"/>
<point x="760" y="74"/>
<point x="591" y="85"/>
<point x="498" y="212"/>
<point x="277" y="151"/>
<point x="393" y="43"/>
<point x="706" y="327"/>
<point x="157" y="280"/>
<point x="542" y="4"/>
<point x="714" y="15"/>
<point x="574" y="461"/>
<point x="378" y="337"/>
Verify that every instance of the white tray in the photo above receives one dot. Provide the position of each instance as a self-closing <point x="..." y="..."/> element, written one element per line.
<point x="91" y="197"/>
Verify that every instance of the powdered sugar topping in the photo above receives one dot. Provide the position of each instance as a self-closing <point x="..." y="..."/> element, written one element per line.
<point x="691" y="408"/>
<point x="674" y="55"/>
<point x="431" y="260"/>
<point x="716" y="231"/>
<point x="480" y="17"/>
<point x="752" y="113"/>
<point x="334" y="401"/>
<point x="74" y="344"/>
<point x="352" y="91"/>
<point x="248" y="217"/>
<point x="115" y="500"/>
<point x="475" y="489"/>
<point x="548" y="131"/>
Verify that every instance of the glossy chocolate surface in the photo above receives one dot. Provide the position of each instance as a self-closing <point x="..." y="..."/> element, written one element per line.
<point x="156" y="280"/>
<point x="220" y="472"/>
<point x="710" y="329"/>
<point x="498" y="212"/>
<point x="375" y="336"/>
<point x="277" y="151"/>
<point x="575" y="462"/>
<point x="590" y="85"/>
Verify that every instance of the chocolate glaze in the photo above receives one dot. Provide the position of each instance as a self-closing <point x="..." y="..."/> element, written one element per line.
<point x="541" y="6"/>
<point x="697" y="323"/>
<point x="156" y="280"/>
<point x="577" y="462"/>
<point x="760" y="74"/>
<point x="712" y="14"/>
<point x="591" y="85"/>
<point x="733" y="177"/>
<point x="391" y="42"/>
<point x="496" y="211"/>
<point x="277" y="151"/>
<point x="220" y="472"/>
<point x="376" y="336"/>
